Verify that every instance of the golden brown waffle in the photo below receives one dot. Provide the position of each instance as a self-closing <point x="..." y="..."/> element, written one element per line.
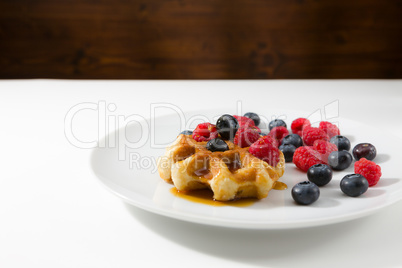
<point x="230" y="175"/>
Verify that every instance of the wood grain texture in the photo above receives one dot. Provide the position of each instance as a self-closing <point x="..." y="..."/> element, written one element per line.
<point x="208" y="39"/>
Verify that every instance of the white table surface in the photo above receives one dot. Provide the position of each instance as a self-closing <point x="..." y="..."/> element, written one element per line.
<point x="54" y="212"/>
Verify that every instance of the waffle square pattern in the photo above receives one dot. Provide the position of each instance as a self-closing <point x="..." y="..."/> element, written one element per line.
<point x="232" y="174"/>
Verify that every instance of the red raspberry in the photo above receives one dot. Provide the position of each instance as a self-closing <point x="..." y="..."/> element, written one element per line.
<point x="324" y="148"/>
<point x="311" y="134"/>
<point x="271" y="140"/>
<point x="279" y="133"/>
<point x="265" y="150"/>
<point x="298" y="125"/>
<point x="205" y="132"/>
<point x="368" y="169"/>
<point x="244" y="121"/>
<point x="329" y="128"/>
<point x="245" y="137"/>
<point x="305" y="157"/>
<point x="256" y="128"/>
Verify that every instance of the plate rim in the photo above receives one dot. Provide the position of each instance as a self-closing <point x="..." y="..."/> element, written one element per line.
<point x="280" y="225"/>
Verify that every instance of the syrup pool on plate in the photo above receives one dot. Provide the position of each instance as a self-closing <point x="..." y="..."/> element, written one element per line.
<point x="205" y="197"/>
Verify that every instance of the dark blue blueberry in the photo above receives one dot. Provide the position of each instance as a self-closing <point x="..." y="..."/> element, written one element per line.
<point x="354" y="185"/>
<point x="217" y="145"/>
<point x="305" y="193"/>
<point x="320" y="174"/>
<point x="366" y="150"/>
<point x="341" y="142"/>
<point x="254" y="117"/>
<point x="227" y="127"/>
<point x="293" y="139"/>
<point x="186" y="132"/>
<point x="277" y="123"/>
<point x="340" y="160"/>
<point x="288" y="150"/>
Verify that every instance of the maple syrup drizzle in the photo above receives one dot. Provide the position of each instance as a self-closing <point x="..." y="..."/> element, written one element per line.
<point x="205" y="196"/>
<point x="203" y="172"/>
<point x="234" y="165"/>
<point x="280" y="186"/>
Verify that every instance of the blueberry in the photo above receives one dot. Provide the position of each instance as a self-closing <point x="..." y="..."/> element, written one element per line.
<point x="366" y="150"/>
<point x="354" y="185"/>
<point x="305" y="193"/>
<point x="263" y="134"/>
<point x="288" y="150"/>
<point x="340" y="160"/>
<point x="253" y="116"/>
<point x="186" y="132"/>
<point x="277" y="123"/>
<point x="217" y="145"/>
<point x="320" y="174"/>
<point x="227" y="126"/>
<point x="341" y="142"/>
<point x="294" y="139"/>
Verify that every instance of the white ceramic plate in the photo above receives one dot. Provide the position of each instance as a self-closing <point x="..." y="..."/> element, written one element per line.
<point x="131" y="174"/>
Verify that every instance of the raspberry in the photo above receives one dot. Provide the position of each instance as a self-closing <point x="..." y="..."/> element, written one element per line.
<point x="270" y="139"/>
<point x="246" y="136"/>
<point x="265" y="150"/>
<point x="256" y="128"/>
<point x="205" y="132"/>
<point x="368" y="169"/>
<point x="324" y="148"/>
<point x="305" y="157"/>
<point x="279" y="133"/>
<point x="298" y="125"/>
<point x="329" y="128"/>
<point x="244" y="121"/>
<point x="311" y="134"/>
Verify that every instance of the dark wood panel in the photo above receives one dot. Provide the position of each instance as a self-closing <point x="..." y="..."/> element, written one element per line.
<point x="209" y="39"/>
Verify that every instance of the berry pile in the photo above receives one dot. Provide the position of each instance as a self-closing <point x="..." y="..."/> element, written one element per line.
<point x="325" y="150"/>
<point x="321" y="143"/>
<point x="244" y="132"/>
<point x="321" y="150"/>
<point x="316" y="150"/>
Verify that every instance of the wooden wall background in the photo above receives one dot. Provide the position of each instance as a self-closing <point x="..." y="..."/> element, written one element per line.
<point x="200" y="39"/>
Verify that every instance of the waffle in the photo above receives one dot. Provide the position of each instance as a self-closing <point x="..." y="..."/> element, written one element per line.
<point x="232" y="174"/>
